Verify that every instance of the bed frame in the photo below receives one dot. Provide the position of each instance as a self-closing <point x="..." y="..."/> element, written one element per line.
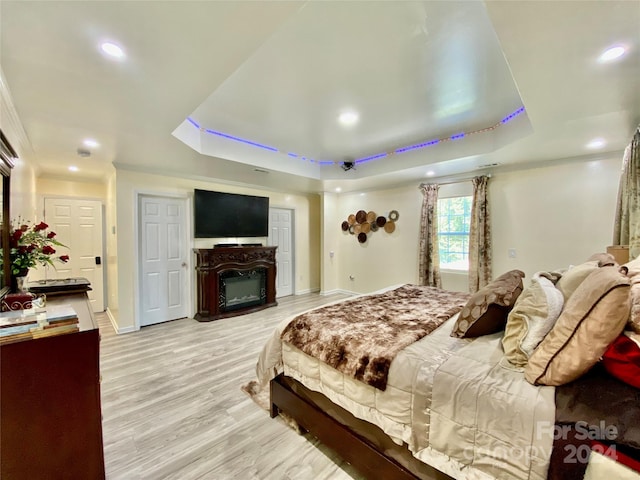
<point x="373" y="461"/>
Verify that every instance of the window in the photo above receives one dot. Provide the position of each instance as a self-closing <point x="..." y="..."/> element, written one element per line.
<point x="454" y="218"/>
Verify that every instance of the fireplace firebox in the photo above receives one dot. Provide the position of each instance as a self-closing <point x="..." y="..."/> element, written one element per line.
<point x="233" y="280"/>
<point x="242" y="289"/>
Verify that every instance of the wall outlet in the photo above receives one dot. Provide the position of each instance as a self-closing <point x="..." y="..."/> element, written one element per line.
<point x="352" y="278"/>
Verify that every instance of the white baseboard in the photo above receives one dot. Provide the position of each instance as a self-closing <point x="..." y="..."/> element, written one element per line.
<point x="338" y="290"/>
<point x="114" y="323"/>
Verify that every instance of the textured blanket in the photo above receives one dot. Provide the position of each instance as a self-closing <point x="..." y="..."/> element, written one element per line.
<point x="361" y="337"/>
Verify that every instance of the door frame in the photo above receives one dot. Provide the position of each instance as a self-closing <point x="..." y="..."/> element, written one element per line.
<point x="293" y="246"/>
<point x="137" y="277"/>
<point x="103" y="240"/>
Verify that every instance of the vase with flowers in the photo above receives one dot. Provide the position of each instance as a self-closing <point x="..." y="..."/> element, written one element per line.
<point x="32" y="245"/>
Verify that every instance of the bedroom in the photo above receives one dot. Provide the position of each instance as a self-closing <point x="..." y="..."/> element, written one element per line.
<point x="554" y="208"/>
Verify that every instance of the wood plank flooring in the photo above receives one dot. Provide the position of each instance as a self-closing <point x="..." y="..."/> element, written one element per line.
<point x="172" y="406"/>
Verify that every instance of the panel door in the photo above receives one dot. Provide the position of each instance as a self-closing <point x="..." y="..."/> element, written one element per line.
<point x="78" y="225"/>
<point x="281" y="235"/>
<point x="163" y="259"/>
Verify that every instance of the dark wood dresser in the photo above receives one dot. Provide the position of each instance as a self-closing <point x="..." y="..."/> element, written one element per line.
<point x="50" y="410"/>
<point x="217" y="267"/>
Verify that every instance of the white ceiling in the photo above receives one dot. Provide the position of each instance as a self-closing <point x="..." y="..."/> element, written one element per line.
<point x="206" y="86"/>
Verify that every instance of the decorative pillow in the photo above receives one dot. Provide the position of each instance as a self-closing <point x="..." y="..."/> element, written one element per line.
<point x="633" y="268"/>
<point x="487" y="309"/>
<point x="622" y="360"/>
<point x="603" y="259"/>
<point x="572" y="278"/>
<point x="592" y="318"/>
<point x="634" y="315"/>
<point x="532" y="317"/>
<point x="633" y="272"/>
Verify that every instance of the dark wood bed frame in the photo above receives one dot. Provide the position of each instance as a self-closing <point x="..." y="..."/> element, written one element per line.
<point x="355" y="449"/>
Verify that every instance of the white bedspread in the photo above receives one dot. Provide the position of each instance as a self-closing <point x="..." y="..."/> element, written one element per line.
<point x="446" y="398"/>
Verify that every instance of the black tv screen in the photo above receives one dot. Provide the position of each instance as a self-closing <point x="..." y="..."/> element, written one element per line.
<point x="219" y="214"/>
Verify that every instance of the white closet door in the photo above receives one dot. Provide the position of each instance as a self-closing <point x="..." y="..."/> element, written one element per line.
<point x="163" y="259"/>
<point x="78" y="225"/>
<point x="281" y="235"/>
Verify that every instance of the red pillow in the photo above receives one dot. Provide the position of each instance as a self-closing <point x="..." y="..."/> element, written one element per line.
<point x="622" y="360"/>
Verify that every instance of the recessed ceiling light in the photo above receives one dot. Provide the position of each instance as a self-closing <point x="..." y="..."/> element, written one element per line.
<point x="112" y="50"/>
<point x="612" y="53"/>
<point x="91" y="143"/>
<point x="596" y="143"/>
<point x="338" y="189"/>
<point x="73" y="168"/>
<point x="430" y="173"/>
<point x="348" y="118"/>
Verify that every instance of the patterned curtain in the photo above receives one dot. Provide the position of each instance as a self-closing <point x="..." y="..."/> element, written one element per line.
<point x="429" y="259"/>
<point x="626" y="229"/>
<point x="480" y="236"/>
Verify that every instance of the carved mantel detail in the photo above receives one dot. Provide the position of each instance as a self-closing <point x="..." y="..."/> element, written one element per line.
<point x="211" y="262"/>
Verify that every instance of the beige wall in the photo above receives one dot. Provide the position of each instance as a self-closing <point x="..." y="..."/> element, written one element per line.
<point x="23" y="192"/>
<point x="130" y="184"/>
<point x="553" y="216"/>
<point x="69" y="188"/>
<point x="385" y="259"/>
<point x="111" y="244"/>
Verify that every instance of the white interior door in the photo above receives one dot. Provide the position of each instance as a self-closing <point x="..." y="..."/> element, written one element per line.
<point x="78" y="225"/>
<point x="281" y="235"/>
<point x="163" y="259"/>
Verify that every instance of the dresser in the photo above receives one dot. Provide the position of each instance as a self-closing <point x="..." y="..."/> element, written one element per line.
<point x="50" y="413"/>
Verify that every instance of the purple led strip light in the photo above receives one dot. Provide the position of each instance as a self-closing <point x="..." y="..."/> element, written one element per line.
<point x="408" y="148"/>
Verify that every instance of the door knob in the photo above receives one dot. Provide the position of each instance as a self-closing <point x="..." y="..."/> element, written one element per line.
<point x="184" y="264"/>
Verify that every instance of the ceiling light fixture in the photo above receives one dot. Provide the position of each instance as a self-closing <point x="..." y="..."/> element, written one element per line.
<point x="112" y="50"/>
<point x="612" y="53"/>
<point x="83" y="152"/>
<point x="73" y="168"/>
<point x="430" y="173"/>
<point x="91" y="143"/>
<point x="338" y="189"/>
<point x="596" y="143"/>
<point x="348" y="119"/>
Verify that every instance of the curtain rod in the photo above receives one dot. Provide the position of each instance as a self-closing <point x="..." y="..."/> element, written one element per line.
<point x="458" y="180"/>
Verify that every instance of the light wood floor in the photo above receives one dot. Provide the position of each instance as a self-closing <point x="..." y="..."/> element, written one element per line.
<point x="172" y="406"/>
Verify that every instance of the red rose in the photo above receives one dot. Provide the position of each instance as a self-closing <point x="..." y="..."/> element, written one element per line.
<point x="48" y="250"/>
<point x="51" y="234"/>
<point x="40" y="226"/>
<point x="16" y="235"/>
<point x="64" y="258"/>
<point x="22" y="249"/>
<point x="31" y="247"/>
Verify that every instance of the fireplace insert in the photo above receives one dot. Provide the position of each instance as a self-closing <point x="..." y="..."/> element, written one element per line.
<point x="241" y="289"/>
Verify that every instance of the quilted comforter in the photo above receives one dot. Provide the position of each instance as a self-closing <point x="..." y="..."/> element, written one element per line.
<point x="447" y="398"/>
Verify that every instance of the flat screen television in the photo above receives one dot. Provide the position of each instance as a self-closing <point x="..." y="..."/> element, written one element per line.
<point x="219" y="214"/>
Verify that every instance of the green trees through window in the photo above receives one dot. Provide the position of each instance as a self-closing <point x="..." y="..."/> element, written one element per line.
<point x="454" y="218"/>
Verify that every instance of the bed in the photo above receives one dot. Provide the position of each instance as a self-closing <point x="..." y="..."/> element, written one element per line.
<point x="449" y="405"/>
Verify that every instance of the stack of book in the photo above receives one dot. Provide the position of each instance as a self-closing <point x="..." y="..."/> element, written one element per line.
<point x="37" y="323"/>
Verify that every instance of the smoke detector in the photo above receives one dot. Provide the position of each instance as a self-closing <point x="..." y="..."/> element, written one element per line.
<point x="83" y="152"/>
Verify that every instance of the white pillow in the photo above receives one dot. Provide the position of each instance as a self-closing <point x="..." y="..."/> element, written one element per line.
<point x="533" y="316"/>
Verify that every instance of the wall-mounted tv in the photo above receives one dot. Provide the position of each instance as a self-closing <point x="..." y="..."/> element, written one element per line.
<point x="219" y="214"/>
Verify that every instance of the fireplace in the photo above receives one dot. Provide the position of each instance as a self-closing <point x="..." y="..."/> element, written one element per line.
<point x="241" y="289"/>
<point x="234" y="280"/>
